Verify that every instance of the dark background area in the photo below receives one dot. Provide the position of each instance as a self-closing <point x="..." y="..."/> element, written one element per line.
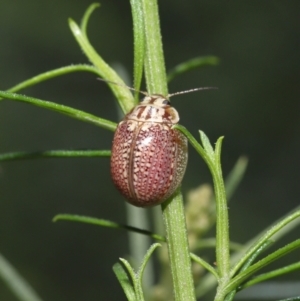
<point x="256" y="108"/>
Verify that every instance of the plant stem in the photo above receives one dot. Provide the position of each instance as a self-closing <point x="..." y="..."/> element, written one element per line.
<point x="179" y="257"/>
<point x="222" y="235"/>
<point x="173" y="211"/>
<point x="155" y="70"/>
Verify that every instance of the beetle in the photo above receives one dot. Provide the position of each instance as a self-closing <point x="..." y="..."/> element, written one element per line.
<point x="149" y="157"/>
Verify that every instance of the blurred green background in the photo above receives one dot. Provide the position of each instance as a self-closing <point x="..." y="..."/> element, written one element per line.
<point x="256" y="108"/>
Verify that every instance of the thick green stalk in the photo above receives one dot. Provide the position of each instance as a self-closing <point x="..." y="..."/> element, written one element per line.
<point x="155" y="70"/>
<point x="173" y="211"/>
<point x="179" y="256"/>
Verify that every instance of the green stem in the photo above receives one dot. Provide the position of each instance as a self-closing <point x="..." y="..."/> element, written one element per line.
<point x="155" y="71"/>
<point x="179" y="257"/>
<point x="222" y="224"/>
<point x="139" y="43"/>
<point x="173" y="211"/>
<point x="213" y="160"/>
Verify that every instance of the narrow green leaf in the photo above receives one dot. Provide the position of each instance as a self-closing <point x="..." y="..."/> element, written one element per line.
<point x="105" y="223"/>
<point x="130" y="271"/>
<point x="124" y="281"/>
<point x="218" y="150"/>
<point x="266" y="235"/>
<point x="122" y="93"/>
<point x="205" y="264"/>
<point x="86" y="17"/>
<point x="192" y="64"/>
<point x="240" y="278"/>
<point x="139" y="43"/>
<point x="16" y="283"/>
<point x="52" y="74"/>
<point x="54" y="154"/>
<point x="276" y="230"/>
<point x="195" y="144"/>
<point x="235" y="176"/>
<point x="140" y="273"/>
<point x="145" y="260"/>
<point x="206" y="145"/>
<point x="272" y="274"/>
<point x="251" y="259"/>
<point x="136" y="283"/>
<point x="231" y="295"/>
<point x="74" y="113"/>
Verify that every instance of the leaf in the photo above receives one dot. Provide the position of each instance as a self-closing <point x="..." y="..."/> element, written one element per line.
<point x="266" y="235"/>
<point x="54" y="154"/>
<point x="205" y="264"/>
<point x="105" y="223"/>
<point x="218" y="151"/>
<point x="197" y="146"/>
<point x="272" y="274"/>
<point x="16" y="283"/>
<point x="124" y="281"/>
<point x="192" y="64"/>
<point x="146" y="259"/>
<point x="240" y="278"/>
<point x="206" y="145"/>
<point x="86" y="17"/>
<point x="122" y="93"/>
<point x="235" y="176"/>
<point x="231" y="295"/>
<point x="52" y="74"/>
<point x="62" y="109"/>
<point x="140" y="273"/>
<point x="276" y="230"/>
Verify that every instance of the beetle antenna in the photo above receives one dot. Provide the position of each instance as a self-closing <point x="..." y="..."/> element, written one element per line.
<point x="192" y="90"/>
<point x="122" y="85"/>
